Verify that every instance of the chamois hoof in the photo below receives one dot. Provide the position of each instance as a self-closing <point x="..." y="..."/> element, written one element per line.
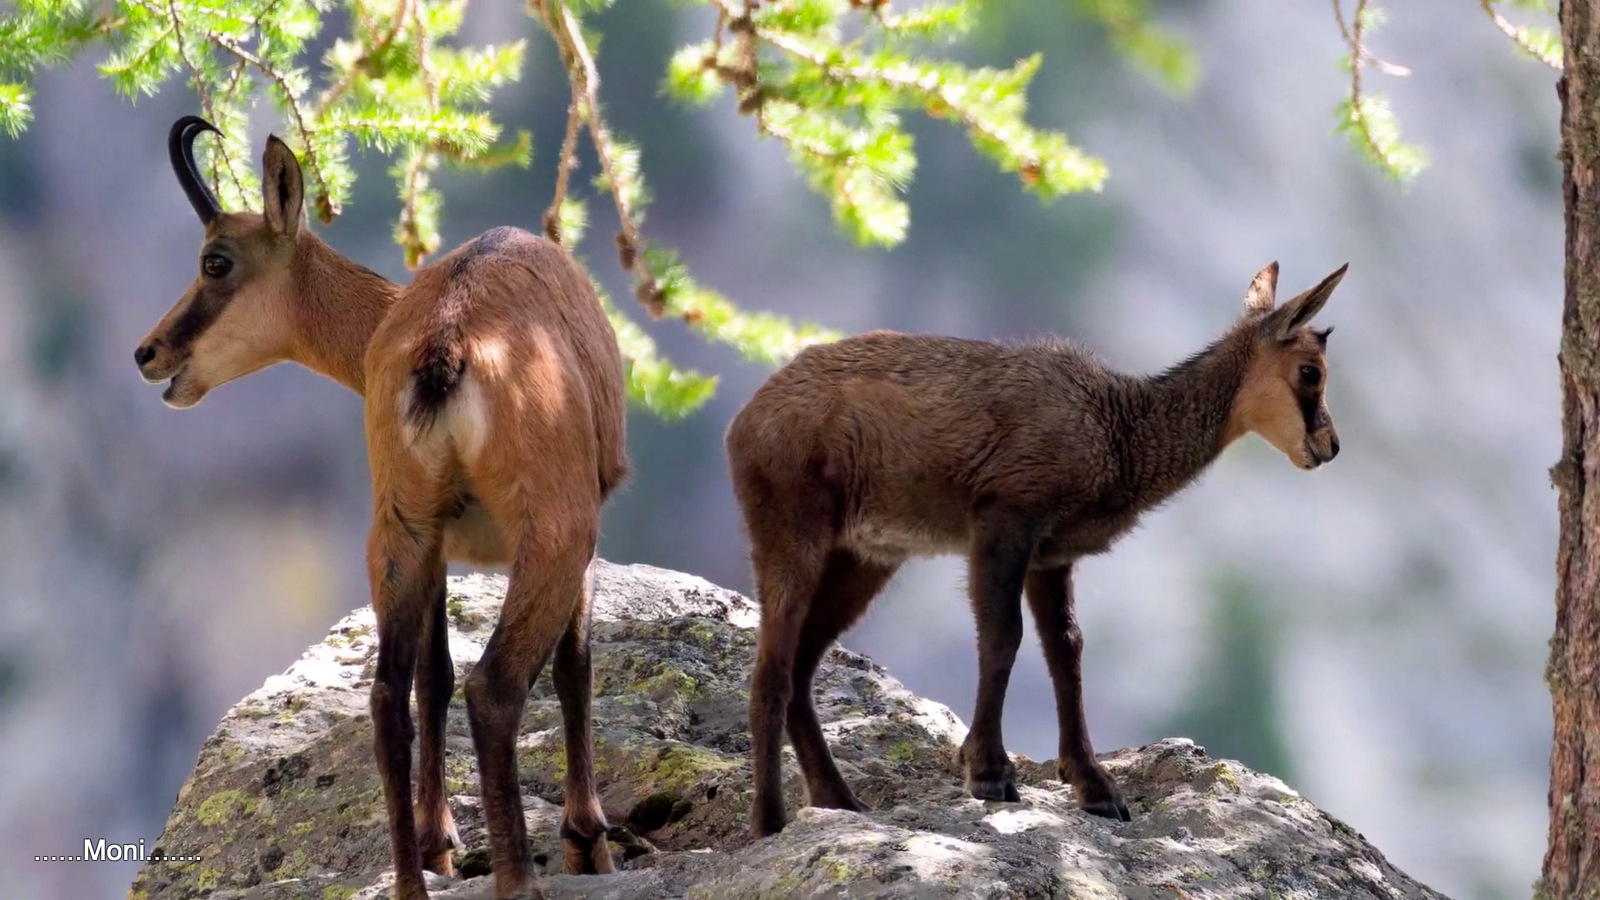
<point x="528" y="892"/>
<point x="1002" y="789"/>
<point x="765" y="824"/>
<point x="441" y="863"/>
<point x="436" y="851"/>
<point x="591" y="857"/>
<point x="995" y="778"/>
<point x="583" y="854"/>
<point x="1115" y="810"/>
<point x="1101" y="797"/>
<point x="407" y="889"/>
<point x="845" y="800"/>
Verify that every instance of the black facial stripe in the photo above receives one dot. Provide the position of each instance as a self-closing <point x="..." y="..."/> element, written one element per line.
<point x="1309" y="404"/>
<point x="207" y="307"/>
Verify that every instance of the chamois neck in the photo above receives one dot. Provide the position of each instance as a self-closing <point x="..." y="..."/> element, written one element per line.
<point x="338" y="306"/>
<point x="1178" y="422"/>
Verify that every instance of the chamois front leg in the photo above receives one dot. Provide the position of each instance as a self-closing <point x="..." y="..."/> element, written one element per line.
<point x="1050" y="597"/>
<point x="998" y="565"/>
<point x="436" y="828"/>
<point x="406" y="572"/>
<point x="583" y="822"/>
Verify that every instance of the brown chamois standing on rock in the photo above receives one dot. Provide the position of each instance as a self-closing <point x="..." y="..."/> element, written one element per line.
<point x="862" y="453"/>
<point x="494" y="424"/>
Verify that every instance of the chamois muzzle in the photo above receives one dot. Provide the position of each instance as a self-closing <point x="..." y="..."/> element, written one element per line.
<point x="180" y="147"/>
<point x="1322" y="448"/>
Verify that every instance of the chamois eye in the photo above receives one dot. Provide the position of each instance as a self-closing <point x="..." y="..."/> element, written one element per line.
<point x="215" y="265"/>
<point x="1310" y="376"/>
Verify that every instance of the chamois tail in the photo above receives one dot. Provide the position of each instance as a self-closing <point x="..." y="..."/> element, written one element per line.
<point x="436" y="375"/>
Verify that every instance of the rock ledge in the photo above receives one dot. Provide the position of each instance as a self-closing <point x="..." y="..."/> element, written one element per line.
<point x="285" y="802"/>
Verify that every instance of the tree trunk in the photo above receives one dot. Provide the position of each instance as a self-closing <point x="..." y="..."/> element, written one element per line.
<point x="1572" y="861"/>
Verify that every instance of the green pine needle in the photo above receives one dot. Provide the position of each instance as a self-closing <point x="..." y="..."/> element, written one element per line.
<point x="15" y="111"/>
<point x="1145" y="43"/>
<point x="1375" y="133"/>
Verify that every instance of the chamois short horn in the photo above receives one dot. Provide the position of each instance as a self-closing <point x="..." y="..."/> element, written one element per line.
<point x="180" y="147"/>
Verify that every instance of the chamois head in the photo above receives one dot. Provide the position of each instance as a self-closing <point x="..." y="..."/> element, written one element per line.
<point x="1281" y="397"/>
<point x="235" y="319"/>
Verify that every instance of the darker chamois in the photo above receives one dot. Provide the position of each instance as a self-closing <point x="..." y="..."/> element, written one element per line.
<point x="494" y="423"/>
<point x="860" y="454"/>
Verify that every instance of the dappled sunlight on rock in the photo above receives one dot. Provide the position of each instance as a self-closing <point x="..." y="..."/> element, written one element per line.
<point x="285" y="802"/>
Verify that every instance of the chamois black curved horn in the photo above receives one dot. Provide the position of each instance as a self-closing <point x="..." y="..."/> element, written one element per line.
<point x="180" y="147"/>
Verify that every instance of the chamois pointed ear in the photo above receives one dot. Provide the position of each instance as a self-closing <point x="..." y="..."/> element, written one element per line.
<point x="1292" y="316"/>
<point x="282" y="188"/>
<point x="1263" y="291"/>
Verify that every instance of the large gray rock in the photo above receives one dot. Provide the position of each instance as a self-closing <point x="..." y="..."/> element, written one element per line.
<point x="285" y="801"/>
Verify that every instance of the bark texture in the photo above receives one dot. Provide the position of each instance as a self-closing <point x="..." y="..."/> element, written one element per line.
<point x="1572" y="860"/>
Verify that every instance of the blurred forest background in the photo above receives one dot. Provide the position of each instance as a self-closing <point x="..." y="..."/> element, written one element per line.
<point x="1373" y="633"/>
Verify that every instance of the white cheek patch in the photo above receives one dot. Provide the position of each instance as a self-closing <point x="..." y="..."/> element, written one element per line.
<point x="245" y="337"/>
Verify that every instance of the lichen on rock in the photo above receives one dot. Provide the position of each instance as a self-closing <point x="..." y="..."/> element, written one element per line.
<point x="285" y="801"/>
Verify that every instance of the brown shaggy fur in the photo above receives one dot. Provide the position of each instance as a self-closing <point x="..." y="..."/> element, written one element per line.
<point x="495" y="430"/>
<point x="863" y="453"/>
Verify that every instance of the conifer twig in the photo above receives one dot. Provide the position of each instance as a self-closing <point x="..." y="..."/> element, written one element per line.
<point x="930" y="87"/>
<point x="430" y="79"/>
<point x="564" y="166"/>
<point x="586" y="82"/>
<point x="410" y="218"/>
<point x="1387" y="68"/>
<point x="1359" y="55"/>
<point x="374" y="48"/>
<point x="326" y="200"/>
<point x="1519" y="36"/>
<point x="220" y="158"/>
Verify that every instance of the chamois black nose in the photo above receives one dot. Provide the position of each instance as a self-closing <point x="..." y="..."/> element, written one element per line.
<point x="1333" y="448"/>
<point x="143" y="355"/>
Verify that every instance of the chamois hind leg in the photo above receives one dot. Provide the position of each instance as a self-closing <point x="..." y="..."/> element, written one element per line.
<point x="848" y="586"/>
<point x="998" y="565"/>
<point x="1049" y="594"/>
<point x="407" y="572"/>
<point x="546" y="579"/>
<point x="435" y="680"/>
<point x="583" y="823"/>
<point x="789" y="557"/>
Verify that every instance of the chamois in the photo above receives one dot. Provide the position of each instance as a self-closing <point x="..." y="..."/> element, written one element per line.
<point x="494" y="413"/>
<point x="862" y="453"/>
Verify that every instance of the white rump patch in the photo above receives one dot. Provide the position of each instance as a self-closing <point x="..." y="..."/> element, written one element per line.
<point x="466" y="417"/>
<point x="463" y="423"/>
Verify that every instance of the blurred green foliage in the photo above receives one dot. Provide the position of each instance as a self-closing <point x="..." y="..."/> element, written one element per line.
<point x="831" y="79"/>
<point x="1543" y="44"/>
<point x="1147" y="44"/>
<point x="1367" y="119"/>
